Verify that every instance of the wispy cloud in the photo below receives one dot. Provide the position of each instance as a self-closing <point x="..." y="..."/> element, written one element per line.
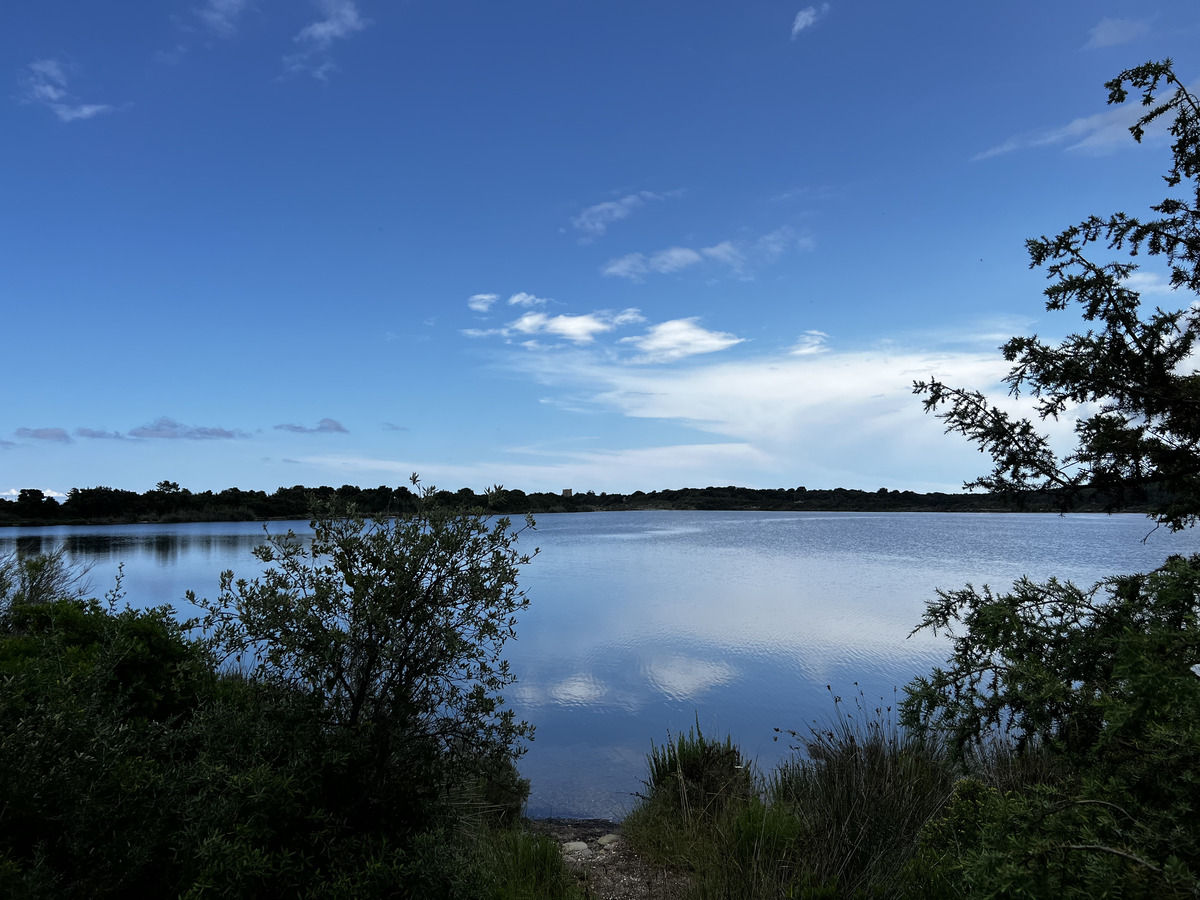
<point x="526" y="300"/>
<point x="738" y="256"/>
<point x="99" y="434"/>
<point x="168" y="429"/>
<point x="1099" y="133"/>
<point x="1113" y="32"/>
<point x="676" y="339"/>
<point x="637" y="265"/>
<point x="221" y="16"/>
<point x="481" y="303"/>
<point x="56" y="435"/>
<point x="391" y="426"/>
<point x="325" y="426"/>
<point x="808" y="17"/>
<point x="46" y="83"/>
<point x="594" y="220"/>
<point x="775" y="244"/>
<point x="810" y="342"/>
<point x="610" y="469"/>
<point x="774" y="418"/>
<point x="825" y="414"/>
<point x="341" y="21"/>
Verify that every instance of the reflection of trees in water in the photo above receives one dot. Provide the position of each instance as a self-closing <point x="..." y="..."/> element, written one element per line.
<point x="99" y="547"/>
<point x="166" y="548"/>
<point x="30" y="545"/>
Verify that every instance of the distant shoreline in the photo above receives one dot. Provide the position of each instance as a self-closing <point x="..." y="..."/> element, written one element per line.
<point x="170" y="504"/>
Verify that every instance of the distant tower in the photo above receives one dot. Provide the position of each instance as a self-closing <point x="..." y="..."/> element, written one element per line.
<point x="567" y="492"/>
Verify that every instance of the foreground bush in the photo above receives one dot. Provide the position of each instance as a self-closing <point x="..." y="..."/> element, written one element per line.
<point x="1100" y="685"/>
<point x="842" y="817"/>
<point x="366" y="753"/>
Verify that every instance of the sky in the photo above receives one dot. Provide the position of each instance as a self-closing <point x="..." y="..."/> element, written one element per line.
<point x="608" y="246"/>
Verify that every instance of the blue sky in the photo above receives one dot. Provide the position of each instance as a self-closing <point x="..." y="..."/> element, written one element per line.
<point x="608" y="246"/>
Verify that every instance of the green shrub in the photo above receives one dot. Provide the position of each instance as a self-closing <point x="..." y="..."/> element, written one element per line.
<point x="863" y="788"/>
<point x="936" y="869"/>
<point x="132" y="764"/>
<point x="698" y="775"/>
<point x="524" y="866"/>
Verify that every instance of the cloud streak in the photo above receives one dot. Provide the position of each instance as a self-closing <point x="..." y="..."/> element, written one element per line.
<point x="341" y="21"/>
<point x="99" y="434"/>
<point x="165" y="428"/>
<point x="325" y="426"/>
<point x="221" y="16"/>
<point x="45" y="83"/>
<point x="594" y="220"/>
<point x="526" y="300"/>
<point x="739" y="257"/>
<point x="54" y="435"/>
<point x="1113" y="32"/>
<point x="1099" y="133"/>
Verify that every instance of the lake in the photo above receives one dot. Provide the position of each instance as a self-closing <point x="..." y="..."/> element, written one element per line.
<point x="640" y="623"/>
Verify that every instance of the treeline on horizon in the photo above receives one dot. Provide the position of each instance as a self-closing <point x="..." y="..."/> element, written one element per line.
<point x="168" y="502"/>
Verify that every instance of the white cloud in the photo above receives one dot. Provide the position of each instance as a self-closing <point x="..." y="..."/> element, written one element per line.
<point x="341" y="20"/>
<point x="46" y="84"/>
<point x="1112" y="32"/>
<point x="679" y="338"/>
<point x="1148" y="283"/>
<point x="581" y="329"/>
<point x="524" y="299"/>
<point x="807" y="412"/>
<point x="221" y="16"/>
<point x="807" y="17"/>
<point x="827" y="418"/>
<point x="481" y="303"/>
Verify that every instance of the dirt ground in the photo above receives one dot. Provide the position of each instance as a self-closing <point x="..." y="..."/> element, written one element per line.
<point x="609" y="869"/>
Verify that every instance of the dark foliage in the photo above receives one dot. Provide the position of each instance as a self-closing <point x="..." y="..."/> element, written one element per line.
<point x="1133" y="364"/>
<point x="133" y="763"/>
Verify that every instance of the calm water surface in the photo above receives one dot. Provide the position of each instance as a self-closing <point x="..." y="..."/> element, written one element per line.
<point x="639" y="622"/>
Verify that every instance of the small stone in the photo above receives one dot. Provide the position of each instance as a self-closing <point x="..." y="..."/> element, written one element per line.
<point x="608" y="840"/>
<point x="577" y="848"/>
